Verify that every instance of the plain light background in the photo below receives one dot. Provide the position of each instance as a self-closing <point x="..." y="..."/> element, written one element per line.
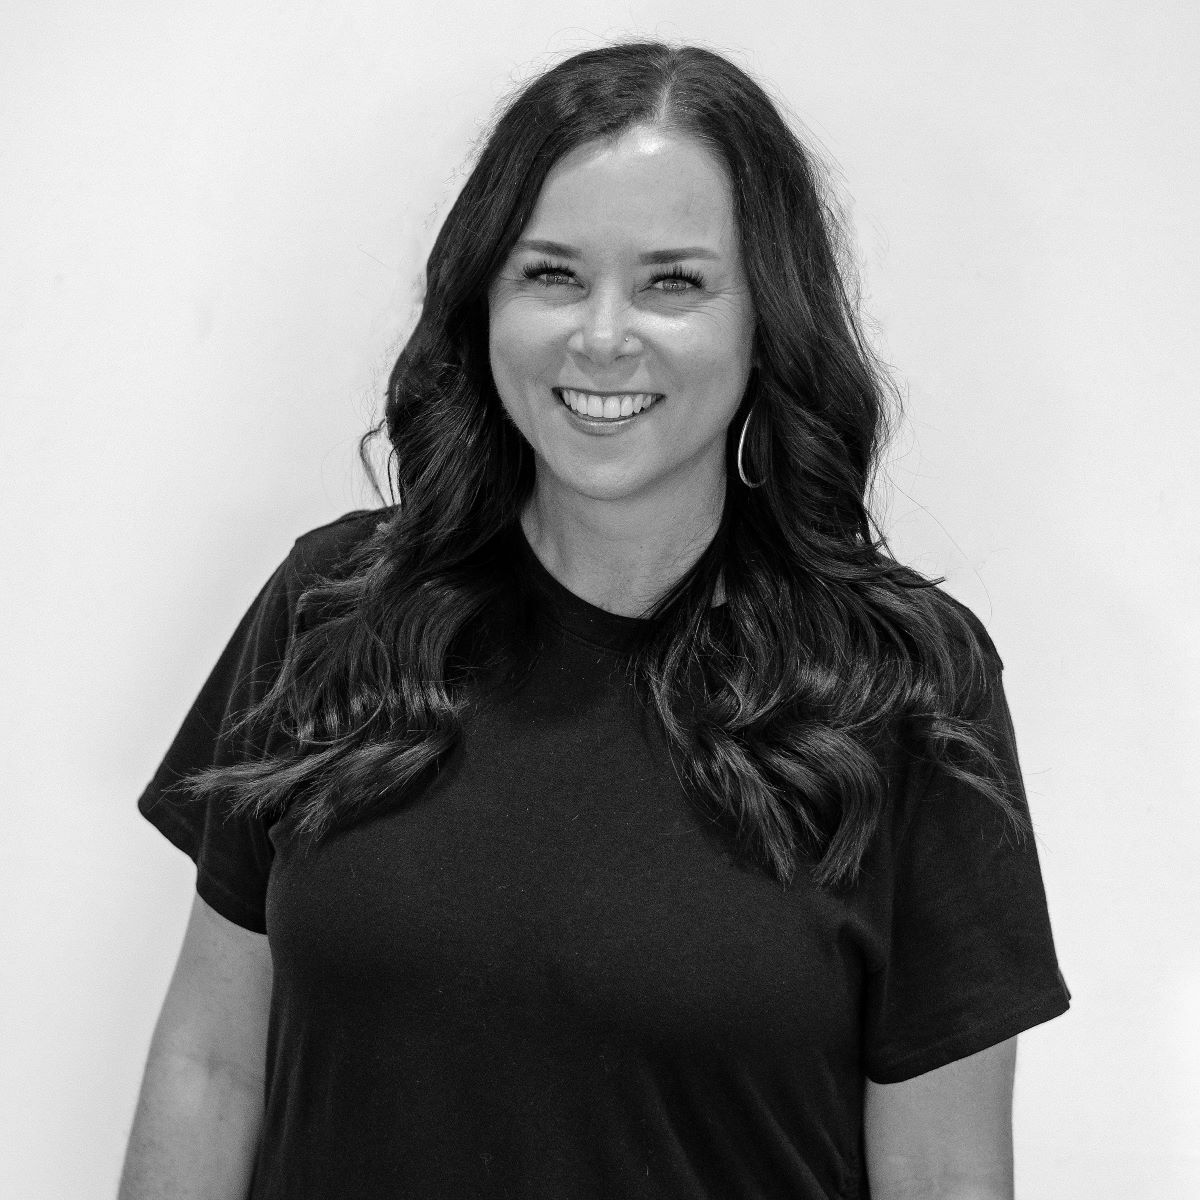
<point x="212" y="228"/>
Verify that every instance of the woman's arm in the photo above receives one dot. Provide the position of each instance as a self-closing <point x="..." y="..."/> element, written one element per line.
<point x="200" y="1109"/>
<point x="944" y="1135"/>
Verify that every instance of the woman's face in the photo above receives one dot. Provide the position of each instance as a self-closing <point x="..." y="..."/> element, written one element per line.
<point x="626" y="291"/>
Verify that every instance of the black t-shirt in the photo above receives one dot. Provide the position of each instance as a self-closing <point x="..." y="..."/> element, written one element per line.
<point x="547" y="977"/>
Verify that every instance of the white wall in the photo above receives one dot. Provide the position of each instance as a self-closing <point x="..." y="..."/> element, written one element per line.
<point x="211" y="227"/>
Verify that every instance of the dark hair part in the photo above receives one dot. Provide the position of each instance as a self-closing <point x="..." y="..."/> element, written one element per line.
<point x="777" y="719"/>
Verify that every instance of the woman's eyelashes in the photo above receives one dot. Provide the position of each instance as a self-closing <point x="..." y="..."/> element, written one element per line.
<point x="549" y="274"/>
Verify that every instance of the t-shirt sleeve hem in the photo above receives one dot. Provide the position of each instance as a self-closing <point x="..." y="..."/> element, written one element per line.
<point x="231" y="907"/>
<point x="181" y="834"/>
<point x="1044" y="1008"/>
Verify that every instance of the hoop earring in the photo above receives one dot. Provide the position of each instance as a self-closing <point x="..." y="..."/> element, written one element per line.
<point x="741" y="444"/>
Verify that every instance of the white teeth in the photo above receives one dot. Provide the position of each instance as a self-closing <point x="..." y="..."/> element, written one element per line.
<point x="608" y="407"/>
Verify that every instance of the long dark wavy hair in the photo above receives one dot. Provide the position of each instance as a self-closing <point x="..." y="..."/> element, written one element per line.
<point x="777" y="718"/>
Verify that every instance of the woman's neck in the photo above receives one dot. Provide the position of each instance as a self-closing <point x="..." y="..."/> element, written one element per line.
<point x="612" y="554"/>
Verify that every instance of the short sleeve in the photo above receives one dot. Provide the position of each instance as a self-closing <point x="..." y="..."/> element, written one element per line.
<point x="232" y="853"/>
<point x="970" y="959"/>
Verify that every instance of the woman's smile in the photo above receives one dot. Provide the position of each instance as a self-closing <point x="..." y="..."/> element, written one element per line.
<point x="606" y="408"/>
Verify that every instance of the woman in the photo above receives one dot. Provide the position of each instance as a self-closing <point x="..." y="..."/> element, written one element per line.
<point x="611" y="817"/>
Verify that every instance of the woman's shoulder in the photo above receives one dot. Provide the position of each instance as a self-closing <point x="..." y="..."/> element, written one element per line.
<point x="965" y="631"/>
<point x="319" y="553"/>
<point x="937" y="618"/>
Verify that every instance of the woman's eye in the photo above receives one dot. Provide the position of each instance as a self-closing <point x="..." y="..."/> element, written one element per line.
<point x="547" y="273"/>
<point x="671" y="284"/>
<point x="678" y="280"/>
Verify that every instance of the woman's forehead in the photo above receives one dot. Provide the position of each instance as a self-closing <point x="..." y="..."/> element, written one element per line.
<point x="647" y="185"/>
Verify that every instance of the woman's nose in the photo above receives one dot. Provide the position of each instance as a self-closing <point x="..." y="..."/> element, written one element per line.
<point x="604" y="330"/>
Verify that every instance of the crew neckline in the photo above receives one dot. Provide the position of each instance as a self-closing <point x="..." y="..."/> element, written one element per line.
<point x="579" y="617"/>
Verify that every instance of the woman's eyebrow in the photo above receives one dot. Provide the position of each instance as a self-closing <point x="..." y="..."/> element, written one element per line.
<point x="651" y="256"/>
